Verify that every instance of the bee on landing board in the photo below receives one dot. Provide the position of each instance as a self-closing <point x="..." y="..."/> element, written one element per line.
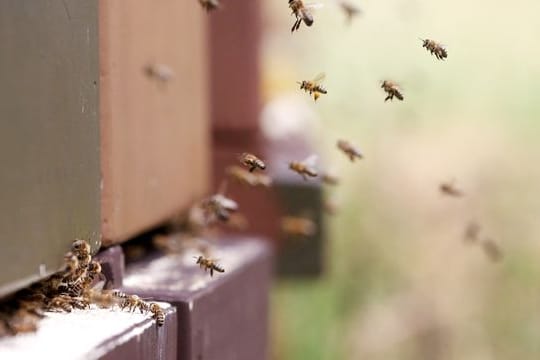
<point x="298" y="226"/>
<point x="349" y="149"/>
<point x="209" y="264"/>
<point x="302" y="13"/>
<point x="449" y="188"/>
<point x="252" y="162"/>
<point x="391" y="89"/>
<point x="305" y="167"/>
<point x="209" y="5"/>
<point x="157" y="313"/>
<point x="313" y="87"/>
<point x="435" y="48"/>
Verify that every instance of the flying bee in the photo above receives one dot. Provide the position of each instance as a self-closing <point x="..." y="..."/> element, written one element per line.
<point x="349" y="149"/>
<point x="159" y="72"/>
<point x="252" y="162"/>
<point x="302" y="13"/>
<point x="305" y="167"/>
<point x="329" y="178"/>
<point x="435" y="48"/>
<point x="158" y="314"/>
<point x="392" y="89"/>
<point x="313" y="87"/>
<point x="450" y="189"/>
<point x="298" y="226"/>
<point x="350" y="9"/>
<point x="472" y="232"/>
<point x="220" y="207"/>
<point x="209" y="264"/>
<point x="492" y="250"/>
<point x="209" y="5"/>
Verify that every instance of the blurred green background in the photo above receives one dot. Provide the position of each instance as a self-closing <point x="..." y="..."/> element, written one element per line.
<point x="401" y="283"/>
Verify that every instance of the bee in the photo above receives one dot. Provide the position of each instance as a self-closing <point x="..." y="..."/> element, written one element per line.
<point x="492" y="250"/>
<point x="131" y="303"/>
<point x="392" y="89"/>
<point x="220" y="207"/>
<point x="329" y="178"/>
<point x="305" y="167"/>
<point x="60" y="303"/>
<point x="158" y="314"/>
<point x="92" y="272"/>
<point x="313" y="87"/>
<point x="472" y="231"/>
<point x="21" y="321"/>
<point x="159" y="72"/>
<point x="350" y="150"/>
<point x="302" y="13"/>
<point x="209" y="264"/>
<point x="435" y="48"/>
<point x="252" y="162"/>
<point x="209" y="5"/>
<point x="349" y="9"/>
<point x="298" y="226"/>
<point x="450" y="189"/>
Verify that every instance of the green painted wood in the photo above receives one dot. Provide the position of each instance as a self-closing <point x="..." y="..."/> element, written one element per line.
<point x="49" y="134"/>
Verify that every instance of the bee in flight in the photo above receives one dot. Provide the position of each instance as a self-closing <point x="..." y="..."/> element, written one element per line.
<point x="349" y="149"/>
<point x="449" y="188"/>
<point x="472" y="231"/>
<point x="305" y="167"/>
<point x="298" y="226"/>
<point x="209" y="264"/>
<point x="435" y="48"/>
<point x="329" y="178"/>
<point x="313" y="87"/>
<point x="391" y="89"/>
<point x="209" y="5"/>
<point x="349" y="9"/>
<point x="159" y="72"/>
<point x="302" y="13"/>
<point x="492" y="250"/>
<point x="252" y="162"/>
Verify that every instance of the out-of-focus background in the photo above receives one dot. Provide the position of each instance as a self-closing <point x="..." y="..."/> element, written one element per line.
<point x="401" y="282"/>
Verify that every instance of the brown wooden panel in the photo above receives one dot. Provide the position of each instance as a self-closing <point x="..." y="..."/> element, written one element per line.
<point x="155" y="144"/>
<point x="49" y="135"/>
<point x="235" y="41"/>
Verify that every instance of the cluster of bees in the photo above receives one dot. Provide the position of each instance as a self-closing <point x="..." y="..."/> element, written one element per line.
<point x="472" y="232"/>
<point x="77" y="286"/>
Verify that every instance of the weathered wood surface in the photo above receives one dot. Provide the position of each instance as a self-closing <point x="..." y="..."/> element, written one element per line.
<point x="221" y="317"/>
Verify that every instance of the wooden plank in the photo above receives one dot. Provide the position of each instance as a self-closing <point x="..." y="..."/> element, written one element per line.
<point x="221" y="317"/>
<point x="49" y="135"/>
<point x="155" y="144"/>
<point x="97" y="334"/>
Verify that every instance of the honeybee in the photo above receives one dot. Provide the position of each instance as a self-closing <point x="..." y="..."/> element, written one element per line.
<point x="330" y="178"/>
<point x="472" y="231"/>
<point x="349" y="9"/>
<point x="392" y="89"/>
<point x="305" y="167"/>
<point x="209" y="5"/>
<point x="302" y="13"/>
<point x="209" y="264"/>
<point x="220" y="207"/>
<point x="450" y="189"/>
<point x="298" y="226"/>
<point x="131" y="303"/>
<point x="492" y="250"/>
<point x="158" y="314"/>
<point x="350" y="150"/>
<point x="160" y="72"/>
<point x="252" y="162"/>
<point x="60" y="303"/>
<point x="435" y="48"/>
<point x="92" y="272"/>
<point x="313" y="87"/>
<point x="245" y="177"/>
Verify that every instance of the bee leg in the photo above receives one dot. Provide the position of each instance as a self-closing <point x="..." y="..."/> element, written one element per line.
<point x="252" y="169"/>
<point x="211" y="272"/>
<point x="389" y="97"/>
<point x="351" y="156"/>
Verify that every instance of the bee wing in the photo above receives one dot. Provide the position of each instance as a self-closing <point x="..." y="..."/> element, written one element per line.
<point x="228" y="203"/>
<point x="310" y="160"/>
<point x="320" y="77"/>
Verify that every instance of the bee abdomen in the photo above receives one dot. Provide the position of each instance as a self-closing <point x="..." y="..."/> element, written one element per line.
<point x="320" y="89"/>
